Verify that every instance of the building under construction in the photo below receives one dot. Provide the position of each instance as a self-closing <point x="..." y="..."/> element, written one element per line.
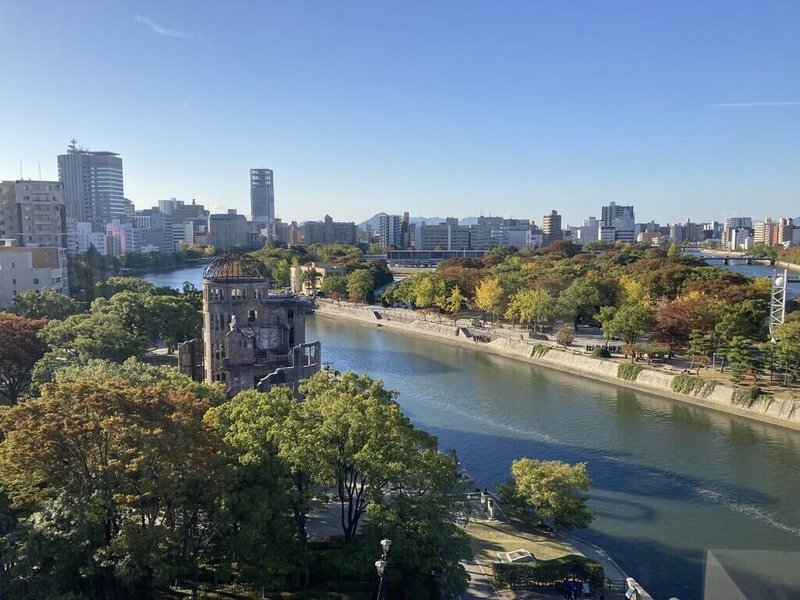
<point x="252" y="339"/>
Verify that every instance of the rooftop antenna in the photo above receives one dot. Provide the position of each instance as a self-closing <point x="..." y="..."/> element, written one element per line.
<point x="20" y="169"/>
<point x="40" y="170"/>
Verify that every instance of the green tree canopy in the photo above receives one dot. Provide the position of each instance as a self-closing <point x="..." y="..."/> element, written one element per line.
<point x="552" y="489"/>
<point x="360" y="283"/>
<point x="47" y="304"/>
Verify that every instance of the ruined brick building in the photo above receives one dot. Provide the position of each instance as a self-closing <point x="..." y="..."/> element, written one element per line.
<point x="252" y="339"/>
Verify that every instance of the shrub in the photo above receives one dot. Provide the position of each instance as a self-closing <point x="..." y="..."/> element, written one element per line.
<point x="629" y="371"/>
<point x="539" y="351"/>
<point x="565" y="335"/>
<point x="691" y="385"/>
<point x="601" y="352"/>
<point x="747" y="397"/>
<point x="547" y="572"/>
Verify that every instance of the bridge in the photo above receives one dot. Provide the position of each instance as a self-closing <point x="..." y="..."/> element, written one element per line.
<point x="737" y="260"/>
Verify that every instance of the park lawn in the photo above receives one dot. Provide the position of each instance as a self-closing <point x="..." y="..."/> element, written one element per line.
<point x="489" y="538"/>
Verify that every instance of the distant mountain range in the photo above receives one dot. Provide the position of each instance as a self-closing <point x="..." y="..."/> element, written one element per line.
<point x="374" y="220"/>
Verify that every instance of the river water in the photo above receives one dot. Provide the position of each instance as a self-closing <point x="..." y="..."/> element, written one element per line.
<point x="671" y="481"/>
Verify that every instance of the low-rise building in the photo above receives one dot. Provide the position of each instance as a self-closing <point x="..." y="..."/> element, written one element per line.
<point x="23" y="269"/>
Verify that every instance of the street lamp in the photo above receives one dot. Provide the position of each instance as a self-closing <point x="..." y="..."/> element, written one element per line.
<point x="380" y="567"/>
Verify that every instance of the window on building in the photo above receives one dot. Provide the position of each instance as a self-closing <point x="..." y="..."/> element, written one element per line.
<point x="35" y="281"/>
<point x="252" y="316"/>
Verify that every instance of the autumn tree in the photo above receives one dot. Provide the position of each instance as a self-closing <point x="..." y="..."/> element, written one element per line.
<point x="531" y="306"/>
<point x="20" y="348"/>
<point x="489" y="296"/>
<point x="135" y="463"/>
<point x="552" y="490"/>
<point x="454" y="302"/>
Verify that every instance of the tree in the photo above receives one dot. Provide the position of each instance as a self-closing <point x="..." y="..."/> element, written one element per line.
<point x="174" y="319"/>
<point x="427" y="542"/>
<point x="134" y="464"/>
<point x="674" y="251"/>
<point x="360" y="283"/>
<point x="364" y="441"/>
<point x="565" y="335"/>
<point x="95" y="335"/>
<point x="531" y="306"/>
<point x="676" y="319"/>
<point x="629" y="322"/>
<point x="452" y="303"/>
<point x="582" y="298"/>
<point x="335" y="286"/>
<point x="47" y="304"/>
<point x="606" y="317"/>
<point x="552" y="489"/>
<point x="489" y="296"/>
<point x="20" y="349"/>
<point x="259" y="537"/>
<point x="426" y="289"/>
<point x="309" y="278"/>
<point x="699" y="349"/>
<point x="746" y="318"/>
<point x="788" y="349"/>
<point x="738" y="355"/>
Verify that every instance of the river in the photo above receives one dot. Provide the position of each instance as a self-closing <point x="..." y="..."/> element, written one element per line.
<point x="671" y="480"/>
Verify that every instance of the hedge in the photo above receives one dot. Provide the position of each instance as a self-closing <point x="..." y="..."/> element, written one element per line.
<point x="547" y="572"/>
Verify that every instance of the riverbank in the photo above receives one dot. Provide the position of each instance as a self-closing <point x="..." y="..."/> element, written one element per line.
<point x="678" y="386"/>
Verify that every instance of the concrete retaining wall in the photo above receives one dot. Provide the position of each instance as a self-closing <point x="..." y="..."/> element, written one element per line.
<point x="780" y="411"/>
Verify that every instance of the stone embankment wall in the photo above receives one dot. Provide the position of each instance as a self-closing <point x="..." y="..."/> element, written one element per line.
<point x="683" y="387"/>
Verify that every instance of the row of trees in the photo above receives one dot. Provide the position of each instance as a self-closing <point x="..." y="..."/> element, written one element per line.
<point x="120" y="479"/>
<point x="628" y="291"/>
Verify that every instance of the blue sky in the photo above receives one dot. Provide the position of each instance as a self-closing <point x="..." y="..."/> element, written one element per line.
<point x="682" y="108"/>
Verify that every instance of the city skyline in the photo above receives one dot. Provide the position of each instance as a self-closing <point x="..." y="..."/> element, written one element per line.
<point x="684" y="111"/>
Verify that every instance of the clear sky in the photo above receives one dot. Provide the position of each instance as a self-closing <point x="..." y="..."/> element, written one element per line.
<point x="682" y="108"/>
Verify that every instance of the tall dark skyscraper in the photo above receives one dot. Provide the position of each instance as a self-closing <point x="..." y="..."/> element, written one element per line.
<point x="262" y="196"/>
<point x="93" y="186"/>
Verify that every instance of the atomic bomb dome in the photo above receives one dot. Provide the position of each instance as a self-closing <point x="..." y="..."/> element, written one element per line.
<point x="236" y="266"/>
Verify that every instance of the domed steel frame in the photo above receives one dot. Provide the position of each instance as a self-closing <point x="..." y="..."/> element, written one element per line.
<point x="236" y="266"/>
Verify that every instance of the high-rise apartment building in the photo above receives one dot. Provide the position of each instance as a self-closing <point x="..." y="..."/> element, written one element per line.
<point x="551" y="228"/>
<point x="390" y="230"/>
<point x="93" y="186"/>
<point x="32" y="214"/>
<point x="262" y="195"/>
<point x="622" y="219"/>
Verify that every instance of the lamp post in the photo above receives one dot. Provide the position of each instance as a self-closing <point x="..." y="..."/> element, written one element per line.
<point x="380" y="566"/>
